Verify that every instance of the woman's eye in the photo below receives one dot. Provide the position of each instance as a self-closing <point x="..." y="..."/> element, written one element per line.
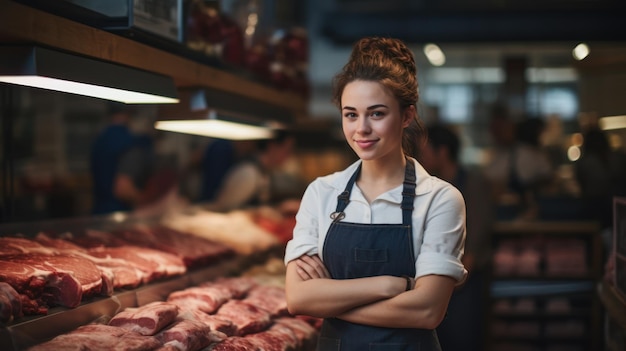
<point x="377" y="114"/>
<point x="350" y="115"/>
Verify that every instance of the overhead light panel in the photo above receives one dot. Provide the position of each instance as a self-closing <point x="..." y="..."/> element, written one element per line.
<point x="218" y="125"/>
<point x="44" y="68"/>
<point x="612" y="122"/>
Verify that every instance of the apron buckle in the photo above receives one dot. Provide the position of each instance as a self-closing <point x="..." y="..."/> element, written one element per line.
<point x="337" y="216"/>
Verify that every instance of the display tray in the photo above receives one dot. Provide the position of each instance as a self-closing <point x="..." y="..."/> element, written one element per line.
<point x="32" y="330"/>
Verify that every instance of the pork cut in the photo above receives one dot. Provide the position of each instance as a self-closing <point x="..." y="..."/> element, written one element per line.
<point x="238" y="286"/>
<point x="270" y="298"/>
<point x="99" y="337"/>
<point x="276" y="338"/>
<point x="146" y="320"/>
<point x="188" y="335"/>
<point x="206" y="299"/>
<point x="246" y="317"/>
<point x="214" y="322"/>
<point x="236" y="343"/>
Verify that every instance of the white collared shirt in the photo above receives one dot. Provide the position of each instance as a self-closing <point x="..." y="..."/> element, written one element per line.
<point x="438" y="219"/>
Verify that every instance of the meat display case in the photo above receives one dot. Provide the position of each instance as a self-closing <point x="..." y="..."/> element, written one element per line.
<point x="30" y="330"/>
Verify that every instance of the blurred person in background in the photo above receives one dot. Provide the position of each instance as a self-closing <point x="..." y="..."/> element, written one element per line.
<point x="463" y="326"/>
<point x="601" y="175"/>
<point x="249" y="181"/>
<point x="125" y="171"/>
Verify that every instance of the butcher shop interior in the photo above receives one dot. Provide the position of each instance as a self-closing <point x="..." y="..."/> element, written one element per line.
<point x="154" y="156"/>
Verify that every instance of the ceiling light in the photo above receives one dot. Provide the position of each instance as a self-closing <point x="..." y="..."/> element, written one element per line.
<point x="218" y="125"/>
<point x="39" y="67"/>
<point x="580" y="51"/>
<point x="434" y="54"/>
<point x="612" y="122"/>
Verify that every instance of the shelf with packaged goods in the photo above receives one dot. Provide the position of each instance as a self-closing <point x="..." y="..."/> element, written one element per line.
<point x="543" y="284"/>
<point x="20" y="24"/>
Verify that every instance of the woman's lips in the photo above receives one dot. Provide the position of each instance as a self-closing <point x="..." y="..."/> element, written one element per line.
<point x="364" y="144"/>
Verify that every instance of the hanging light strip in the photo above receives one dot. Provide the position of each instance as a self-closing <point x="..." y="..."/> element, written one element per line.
<point x="44" y="68"/>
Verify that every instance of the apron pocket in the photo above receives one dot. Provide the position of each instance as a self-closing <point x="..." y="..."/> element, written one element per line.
<point x="365" y="255"/>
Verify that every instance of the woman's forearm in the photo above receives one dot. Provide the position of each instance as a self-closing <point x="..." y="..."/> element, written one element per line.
<point x="325" y="297"/>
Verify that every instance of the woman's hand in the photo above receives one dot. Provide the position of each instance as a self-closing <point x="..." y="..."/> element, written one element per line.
<point x="311" y="267"/>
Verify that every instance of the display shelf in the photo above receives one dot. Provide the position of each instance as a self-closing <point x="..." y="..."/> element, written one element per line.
<point x="531" y="270"/>
<point x="21" y="24"/>
<point x="615" y="319"/>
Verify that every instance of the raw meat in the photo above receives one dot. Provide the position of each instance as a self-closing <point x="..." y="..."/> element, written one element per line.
<point x="188" y="335"/>
<point x="276" y="338"/>
<point x="305" y="334"/>
<point x="248" y="318"/>
<point x="193" y="250"/>
<point x="52" y="279"/>
<point x="206" y="299"/>
<point x="238" y="286"/>
<point x="236" y="343"/>
<point x="14" y="245"/>
<point x="99" y="337"/>
<point x="10" y="304"/>
<point x="146" y="320"/>
<point x="270" y="298"/>
<point x="214" y="322"/>
<point x="153" y="263"/>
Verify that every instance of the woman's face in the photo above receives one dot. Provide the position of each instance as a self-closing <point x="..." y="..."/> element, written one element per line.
<point x="372" y="120"/>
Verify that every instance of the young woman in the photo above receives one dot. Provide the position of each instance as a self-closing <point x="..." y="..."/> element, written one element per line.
<point x="377" y="247"/>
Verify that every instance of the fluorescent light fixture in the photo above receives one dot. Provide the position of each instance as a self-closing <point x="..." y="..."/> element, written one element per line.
<point x="218" y="125"/>
<point x="39" y="67"/>
<point x="612" y="122"/>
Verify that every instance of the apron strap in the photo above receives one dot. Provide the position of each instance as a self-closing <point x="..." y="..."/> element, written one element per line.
<point x="408" y="192"/>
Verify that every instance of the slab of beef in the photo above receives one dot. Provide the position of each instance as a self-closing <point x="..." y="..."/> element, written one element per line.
<point x="10" y="304"/>
<point x="248" y="318"/>
<point x="67" y="247"/>
<point x="236" y="343"/>
<point x="51" y="279"/>
<point x="15" y="245"/>
<point x="270" y="298"/>
<point x="99" y="337"/>
<point x="238" y="286"/>
<point x="205" y="299"/>
<point x="276" y="338"/>
<point x="153" y="263"/>
<point x="306" y="334"/>
<point x="146" y="320"/>
<point x="214" y="322"/>
<point x="193" y="250"/>
<point x="188" y="335"/>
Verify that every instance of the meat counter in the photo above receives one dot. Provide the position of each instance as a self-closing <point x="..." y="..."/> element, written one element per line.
<point x="200" y="248"/>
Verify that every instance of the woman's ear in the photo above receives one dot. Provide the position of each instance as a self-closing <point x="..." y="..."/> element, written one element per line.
<point x="408" y="115"/>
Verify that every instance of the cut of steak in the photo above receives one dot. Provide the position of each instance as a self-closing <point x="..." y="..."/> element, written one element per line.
<point x="246" y="317"/>
<point x="305" y="334"/>
<point x="193" y="250"/>
<point x="10" y="303"/>
<point x="276" y="338"/>
<point x="236" y="343"/>
<point x="238" y="286"/>
<point x="99" y="337"/>
<point x="270" y="298"/>
<point x="153" y="263"/>
<point x="14" y="245"/>
<point x="146" y="320"/>
<point x="52" y="279"/>
<point x="188" y="335"/>
<point x="205" y="299"/>
<point x="213" y="321"/>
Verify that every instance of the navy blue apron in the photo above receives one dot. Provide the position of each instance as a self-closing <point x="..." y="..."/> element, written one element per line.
<point x="356" y="250"/>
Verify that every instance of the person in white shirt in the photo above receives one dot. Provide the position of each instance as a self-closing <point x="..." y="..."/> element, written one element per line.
<point x="377" y="247"/>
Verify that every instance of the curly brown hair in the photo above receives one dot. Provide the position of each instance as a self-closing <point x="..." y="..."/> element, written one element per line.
<point x="391" y="63"/>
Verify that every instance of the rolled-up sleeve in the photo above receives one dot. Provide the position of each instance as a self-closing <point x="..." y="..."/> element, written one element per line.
<point x="306" y="232"/>
<point x="443" y="237"/>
